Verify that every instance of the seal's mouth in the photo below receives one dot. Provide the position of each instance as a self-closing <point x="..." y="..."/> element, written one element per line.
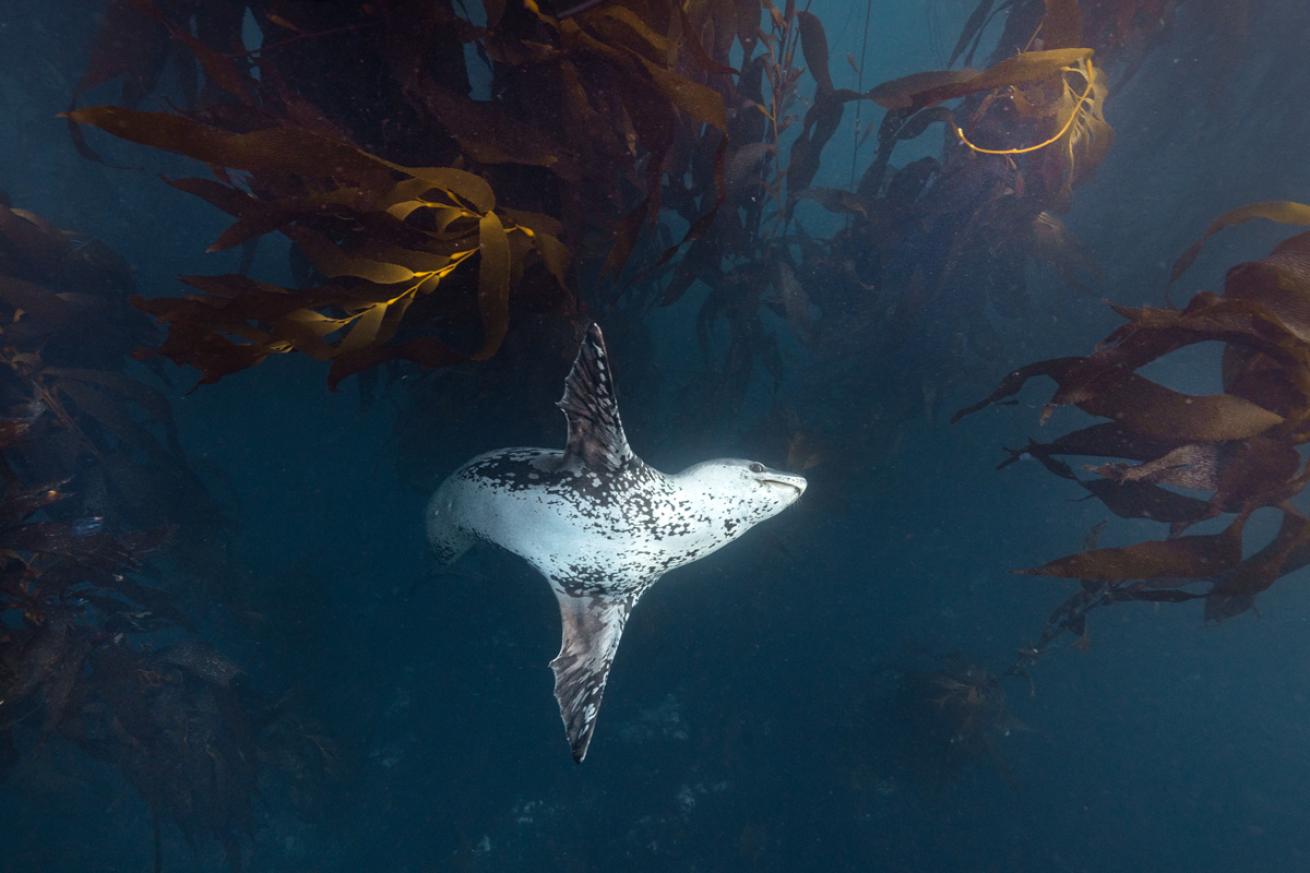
<point x="797" y="484"/>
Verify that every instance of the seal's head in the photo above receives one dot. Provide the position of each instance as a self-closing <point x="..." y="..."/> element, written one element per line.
<point x="746" y="492"/>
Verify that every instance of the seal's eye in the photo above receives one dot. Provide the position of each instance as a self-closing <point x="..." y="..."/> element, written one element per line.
<point x="757" y="468"/>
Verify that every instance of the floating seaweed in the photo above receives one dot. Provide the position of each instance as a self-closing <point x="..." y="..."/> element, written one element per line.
<point x="1239" y="448"/>
<point x="381" y="234"/>
<point x="93" y="480"/>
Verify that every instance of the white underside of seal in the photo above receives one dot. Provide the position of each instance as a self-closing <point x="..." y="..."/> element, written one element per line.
<point x="599" y="524"/>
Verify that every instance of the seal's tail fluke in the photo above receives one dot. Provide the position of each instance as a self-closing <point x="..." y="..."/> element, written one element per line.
<point x="593" y="625"/>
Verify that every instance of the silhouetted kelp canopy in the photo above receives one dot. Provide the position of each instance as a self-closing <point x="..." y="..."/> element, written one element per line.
<point x="108" y="544"/>
<point x="472" y="190"/>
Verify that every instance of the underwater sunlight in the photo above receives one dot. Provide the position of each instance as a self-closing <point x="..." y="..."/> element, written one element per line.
<point x="946" y="362"/>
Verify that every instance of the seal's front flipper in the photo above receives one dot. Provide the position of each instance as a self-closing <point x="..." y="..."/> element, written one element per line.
<point x="596" y="437"/>
<point x="593" y="624"/>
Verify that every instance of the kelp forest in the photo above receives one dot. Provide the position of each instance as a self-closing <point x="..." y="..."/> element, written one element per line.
<point x="271" y="269"/>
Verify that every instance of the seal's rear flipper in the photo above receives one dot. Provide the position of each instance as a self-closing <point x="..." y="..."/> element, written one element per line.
<point x="592" y="627"/>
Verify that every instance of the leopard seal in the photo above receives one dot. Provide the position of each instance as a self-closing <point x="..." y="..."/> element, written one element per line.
<point x="599" y="523"/>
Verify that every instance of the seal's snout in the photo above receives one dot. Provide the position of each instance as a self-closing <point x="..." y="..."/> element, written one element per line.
<point x="786" y="481"/>
<point x="789" y="483"/>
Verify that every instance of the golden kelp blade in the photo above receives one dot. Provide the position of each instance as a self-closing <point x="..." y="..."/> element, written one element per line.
<point x="1281" y="211"/>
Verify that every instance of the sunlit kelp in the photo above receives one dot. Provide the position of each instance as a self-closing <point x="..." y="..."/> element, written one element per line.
<point x="382" y="234"/>
<point x="591" y="131"/>
<point x="1238" y="448"/>
<point x="100" y="519"/>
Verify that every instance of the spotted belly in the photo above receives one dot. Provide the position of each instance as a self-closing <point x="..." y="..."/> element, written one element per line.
<point x="587" y="532"/>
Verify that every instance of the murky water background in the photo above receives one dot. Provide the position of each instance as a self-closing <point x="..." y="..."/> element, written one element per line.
<point x="751" y="722"/>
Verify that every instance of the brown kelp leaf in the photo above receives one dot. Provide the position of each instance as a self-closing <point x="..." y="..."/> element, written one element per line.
<point x="747" y="20"/>
<point x="923" y="119"/>
<point x="1265" y="381"/>
<point x="1184" y="558"/>
<point x="904" y="93"/>
<point x="971" y="31"/>
<point x="1062" y="26"/>
<point x="924" y="89"/>
<point x="273" y="149"/>
<point x="461" y="184"/>
<point x="364" y="331"/>
<point x="821" y="123"/>
<point x="196" y="333"/>
<point x="1138" y="404"/>
<point x="254" y="217"/>
<point x="307" y="331"/>
<point x="489" y="135"/>
<point x="427" y="351"/>
<point x="1143" y="500"/>
<point x="146" y="398"/>
<point x="1279" y="284"/>
<point x="129" y="45"/>
<point x="49" y="307"/>
<point x="625" y="237"/>
<point x="535" y="221"/>
<point x="220" y="69"/>
<point x="1151" y="595"/>
<point x="699" y="102"/>
<point x="701" y="262"/>
<point x="493" y="284"/>
<point x="696" y="51"/>
<point x="1281" y="211"/>
<point x="1152" y="333"/>
<point x="1193" y="466"/>
<point x="554" y="255"/>
<point x="814" y="45"/>
<point x="1107" y="440"/>
<point x="331" y="261"/>
<point x="745" y="171"/>
<point x="36" y="248"/>
<point x="279" y="150"/>
<point x="1162" y="413"/>
<point x="227" y="198"/>
<point x="835" y="200"/>
<point x="1235" y="592"/>
<point x="655" y="45"/>
<point x="1125" y="498"/>
<point x="1256" y="472"/>
<point x="1012" y="384"/>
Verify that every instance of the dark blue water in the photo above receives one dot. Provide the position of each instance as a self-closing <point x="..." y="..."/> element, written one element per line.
<point x="751" y="720"/>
